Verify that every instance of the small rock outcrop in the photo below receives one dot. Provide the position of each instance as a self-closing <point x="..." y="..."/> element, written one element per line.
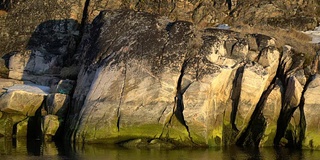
<point x="23" y="99"/>
<point x="26" y="107"/>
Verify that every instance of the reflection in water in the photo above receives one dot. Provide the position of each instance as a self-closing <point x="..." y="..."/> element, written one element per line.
<point x="23" y="149"/>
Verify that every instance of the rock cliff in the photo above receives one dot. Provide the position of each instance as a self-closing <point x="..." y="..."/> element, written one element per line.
<point x="158" y="73"/>
<point x="144" y="76"/>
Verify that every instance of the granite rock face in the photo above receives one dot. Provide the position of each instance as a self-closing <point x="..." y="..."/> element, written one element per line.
<point x="144" y="76"/>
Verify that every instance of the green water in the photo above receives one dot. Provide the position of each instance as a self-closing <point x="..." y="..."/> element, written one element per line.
<point x="21" y="150"/>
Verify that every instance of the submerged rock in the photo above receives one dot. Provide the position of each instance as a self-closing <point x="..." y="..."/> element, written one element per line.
<point x="7" y="122"/>
<point x="148" y="144"/>
<point x="50" y="126"/>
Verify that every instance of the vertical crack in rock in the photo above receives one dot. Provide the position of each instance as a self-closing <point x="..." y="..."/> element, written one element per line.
<point x="252" y="134"/>
<point x="178" y="108"/>
<point x="287" y="112"/>
<point x="14" y="128"/>
<point x="302" y="122"/>
<point x="162" y="114"/>
<point x="84" y="17"/>
<point x="235" y="96"/>
<point x="121" y="97"/>
<point x="286" y="115"/>
<point x="179" y="100"/>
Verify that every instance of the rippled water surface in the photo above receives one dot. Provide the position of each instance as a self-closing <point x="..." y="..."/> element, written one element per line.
<point x="21" y="149"/>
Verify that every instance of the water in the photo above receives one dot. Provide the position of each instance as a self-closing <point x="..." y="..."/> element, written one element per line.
<point x="25" y="150"/>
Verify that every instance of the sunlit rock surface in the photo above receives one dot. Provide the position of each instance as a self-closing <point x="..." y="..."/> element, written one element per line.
<point x="168" y="80"/>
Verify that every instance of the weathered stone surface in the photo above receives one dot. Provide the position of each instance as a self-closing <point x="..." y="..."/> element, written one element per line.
<point x="293" y="93"/>
<point x="191" y="86"/>
<point x="255" y="80"/>
<point x="251" y="93"/>
<point x="290" y="126"/>
<point x="23" y="99"/>
<point x="17" y="64"/>
<point x="57" y="104"/>
<point x="42" y="63"/>
<point x="205" y="105"/>
<point x="286" y="59"/>
<point x="271" y="111"/>
<point x="126" y="99"/>
<point x="311" y="110"/>
<point x="29" y="87"/>
<point x="50" y="126"/>
<point x="180" y="82"/>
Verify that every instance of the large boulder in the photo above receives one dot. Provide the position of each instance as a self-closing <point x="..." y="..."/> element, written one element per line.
<point x="121" y="96"/>
<point x="23" y="99"/>
<point x="168" y="80"/>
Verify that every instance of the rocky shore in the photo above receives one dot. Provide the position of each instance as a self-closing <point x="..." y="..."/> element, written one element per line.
<point x="149" y="76"/>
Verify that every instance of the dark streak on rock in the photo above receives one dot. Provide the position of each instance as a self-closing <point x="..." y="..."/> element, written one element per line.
<point x="121" y="96"/>
<point x="179" y="99"/>
<point x="235" y="96"/>
<point x="252" y="134"/>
